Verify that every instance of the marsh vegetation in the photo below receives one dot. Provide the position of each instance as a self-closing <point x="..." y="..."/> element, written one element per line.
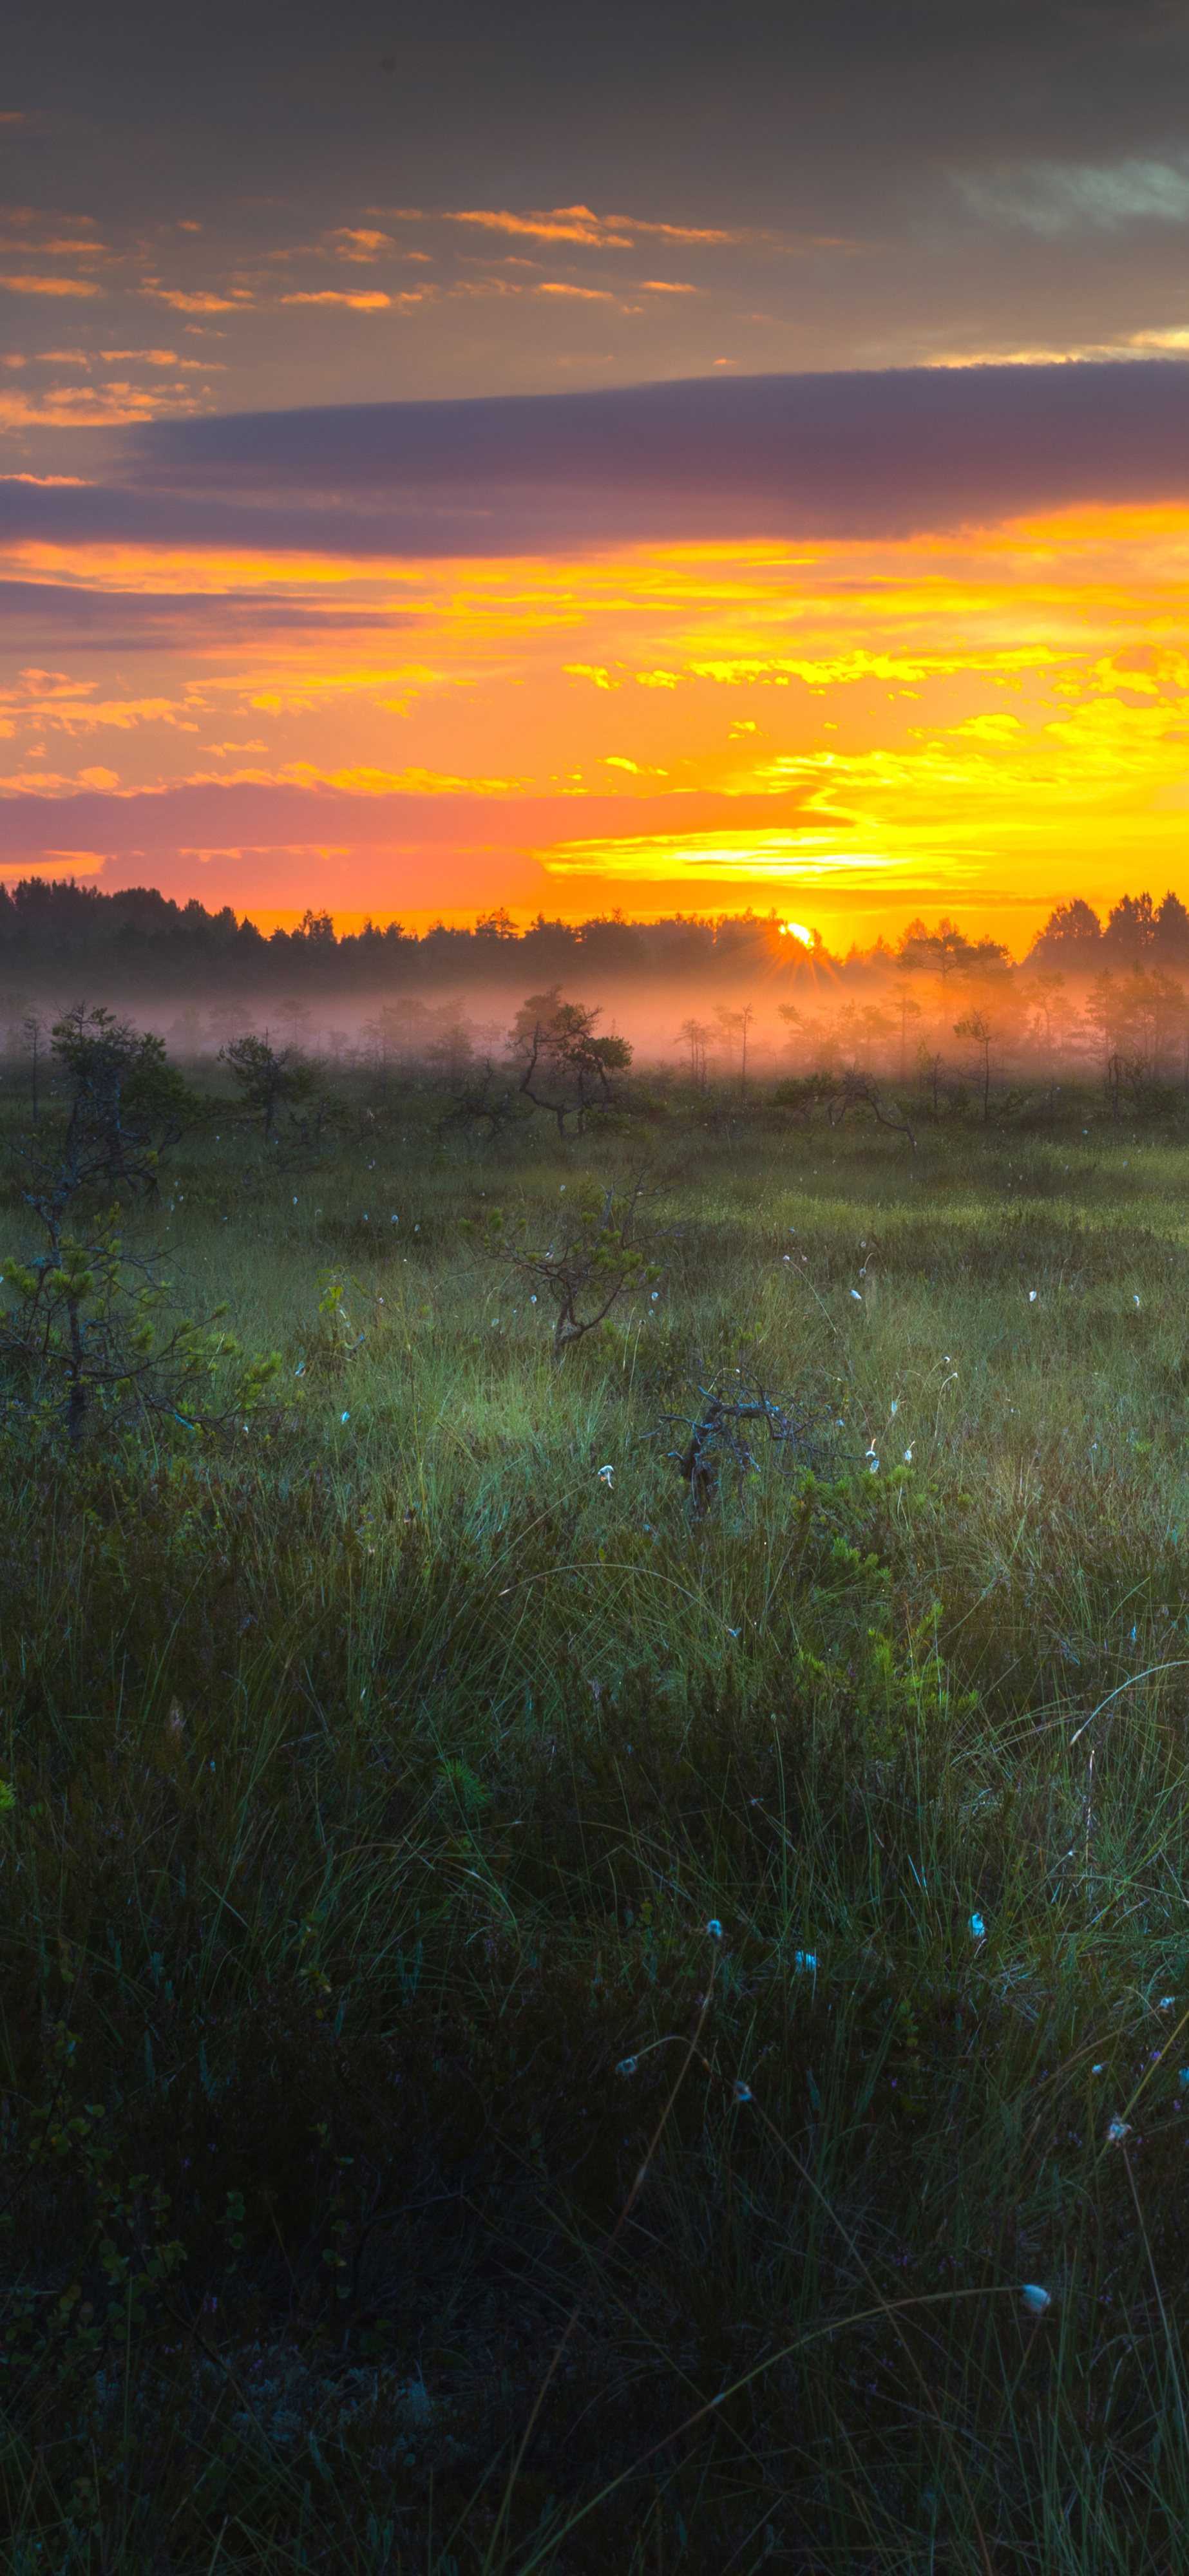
<point x="595" y="1954"/>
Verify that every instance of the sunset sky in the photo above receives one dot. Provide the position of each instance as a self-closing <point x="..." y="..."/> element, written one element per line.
<point x="678" y="458"/>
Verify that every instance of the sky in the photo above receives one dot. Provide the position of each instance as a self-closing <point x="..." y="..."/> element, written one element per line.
<point x="661" y="459"/>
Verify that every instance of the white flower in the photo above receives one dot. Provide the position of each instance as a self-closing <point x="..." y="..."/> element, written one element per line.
<point x="908" y="1457"/>
<point x="346" y="1418"/>
<point x="978" y="1928"/>
<point x="805" y="1961"/>
<point x="1032" y="1296"/>
<point x="1118" y="2130"/>
<point x="607" y="1475"/>
<point x="855" y="1294"/>
<point x="1035" y="2298"/>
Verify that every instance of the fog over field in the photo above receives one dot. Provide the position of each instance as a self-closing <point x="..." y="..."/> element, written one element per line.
<point x="727" y="1005"/>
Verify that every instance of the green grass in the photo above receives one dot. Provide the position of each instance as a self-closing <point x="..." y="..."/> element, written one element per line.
<point x="375" y="1782"/>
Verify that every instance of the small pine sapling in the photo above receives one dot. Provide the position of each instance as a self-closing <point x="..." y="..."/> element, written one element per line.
<point x="339" y="1338"/>
<point x="268" y="1078"/>
<point x="721" y="1432"/>
<point x="838" y="1093"/>
<point x="591" y="1263"/>
<point x="558" y="1046"/>
<point x="86" y="1339"/>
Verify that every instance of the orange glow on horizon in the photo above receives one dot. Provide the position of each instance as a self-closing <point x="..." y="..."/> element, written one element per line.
<point x="991" y="719"/>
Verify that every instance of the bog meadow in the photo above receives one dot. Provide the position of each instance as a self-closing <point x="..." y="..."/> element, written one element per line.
<point x="594" y="1939"/>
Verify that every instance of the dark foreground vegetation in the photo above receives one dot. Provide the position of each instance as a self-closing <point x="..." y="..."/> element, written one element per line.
<point x="595" y="1950"/>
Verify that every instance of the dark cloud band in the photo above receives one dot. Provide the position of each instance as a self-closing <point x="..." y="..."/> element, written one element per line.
<point x="854" y="455"/>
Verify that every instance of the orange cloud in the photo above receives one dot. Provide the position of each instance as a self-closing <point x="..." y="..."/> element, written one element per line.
<point x="583" y="294"/>
<point x="110" y="406"/>
<point x="146" y="358"/>
<point x="185" y="302"/>
<point x="353" y="243"/>
<point x="688" y="232"/>
<point x="59" y="246"/>
<point x="565" y="223"/>
<point x="50" y="286"/>
<point x="375" y="303"/>
<point x="580" y="224"/>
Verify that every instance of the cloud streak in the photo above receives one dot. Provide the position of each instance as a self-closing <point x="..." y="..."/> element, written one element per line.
<point x="1064" y="197"/>
<point x="830" y="457"/>
<point x="29" y="285"/>
<point x="578" y="224"/>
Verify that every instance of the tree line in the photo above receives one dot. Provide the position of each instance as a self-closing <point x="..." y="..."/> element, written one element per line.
<point x="1136" y="932"/>
<point x="142" y="941"/>
<point x="139" y="941"/>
